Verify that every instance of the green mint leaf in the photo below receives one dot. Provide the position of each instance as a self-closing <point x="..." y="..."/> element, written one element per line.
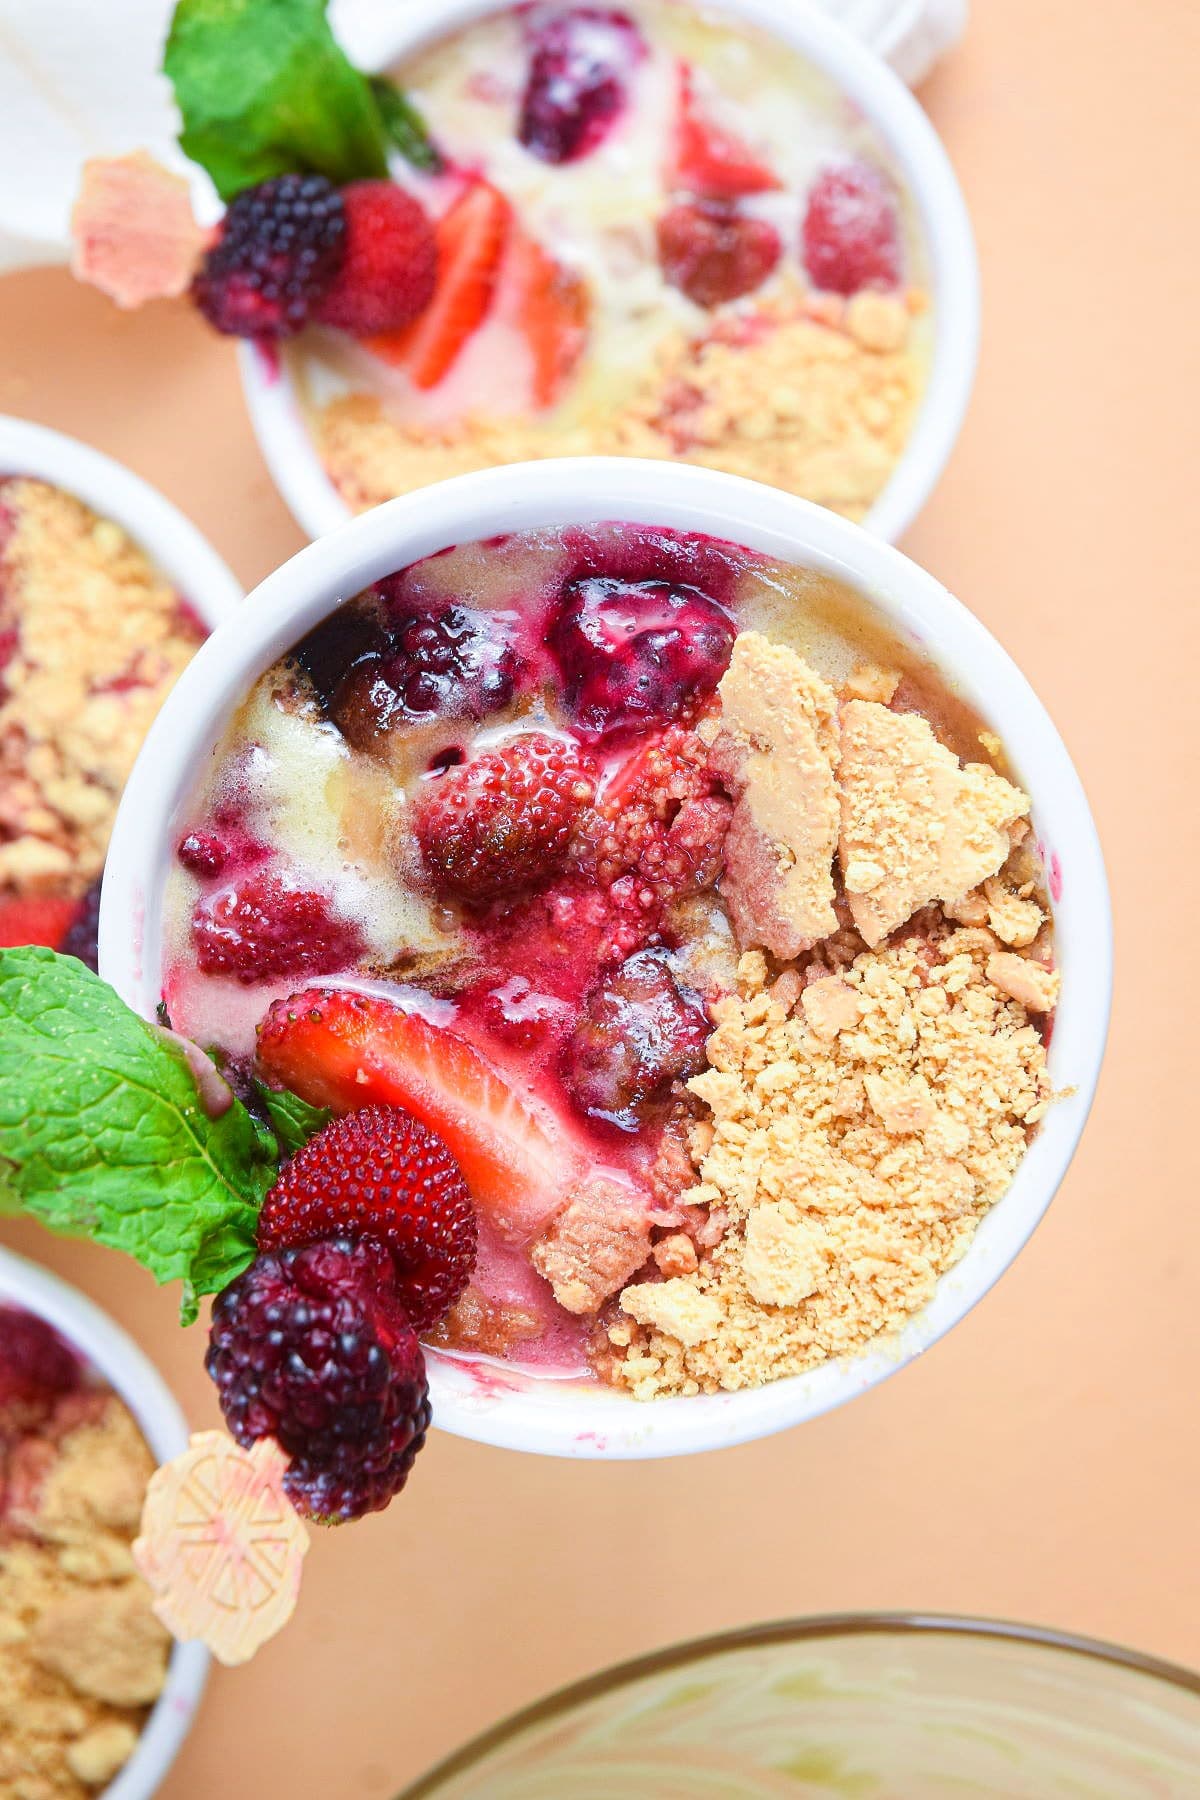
<point x="293" y="1120"/>
<point x="103" y="1134"/>
<point x="263" y="87"/>
<point x="405" y="126"/>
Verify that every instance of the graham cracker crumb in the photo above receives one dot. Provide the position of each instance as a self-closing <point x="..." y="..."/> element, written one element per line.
<point x="99" y="639"/>
<point x="1031" y="984"/>
<point x="917" y="825"/>
<point x="1015" y="918"/>
<point x="818" y="400"/>
<point x="854" y="1168"/>
<point x="81" y="1653"/>
<point x="593" y="1246"/>
<point x="869" y="682"/>
<point x="777" y="747"/>
<point x="677" y="1306"/>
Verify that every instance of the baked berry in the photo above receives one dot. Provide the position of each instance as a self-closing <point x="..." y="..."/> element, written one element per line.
<point x="850" y="238"/>
<point x="311" y="1347"/>
<point x="36" y="1365"/>
<point x="501" y="824"/>
<point x="281" y="245"/>
<point x="264" y="927"/>
<point x="389" y="270"/>
<point x="713" y="253"/>
<point x="452" y="664"/>
<point x="576" y="86"/>
<point x="639" y="1031"/>
<point x="381" y="1174"/>
<point x="332" y="648"/>
<point x="202" y="854"/>
<point x="636" y="653"/>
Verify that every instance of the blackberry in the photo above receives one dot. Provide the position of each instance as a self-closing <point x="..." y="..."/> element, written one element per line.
<point x="310" y="1346"/>
<point x="452" y="664"/>
<point x="281" y="245"/>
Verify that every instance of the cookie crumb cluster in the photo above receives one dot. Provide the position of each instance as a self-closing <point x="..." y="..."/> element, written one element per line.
<point x="91" y="639"/>
<point x="82" y="1656"/>
<point x="859" y="1133"/>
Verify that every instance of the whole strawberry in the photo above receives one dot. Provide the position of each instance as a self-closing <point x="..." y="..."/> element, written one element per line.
<point x="501" y="824"/>
<point x="311" y="1347"/>
<point x="381" y="1174"/>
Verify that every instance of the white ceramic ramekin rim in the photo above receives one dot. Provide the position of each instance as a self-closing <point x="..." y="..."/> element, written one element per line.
<point x="496" y="1403"/>
<point x="170" y="539"/>
<point x="134" y="1378"/>
<point x="924" y="167"/>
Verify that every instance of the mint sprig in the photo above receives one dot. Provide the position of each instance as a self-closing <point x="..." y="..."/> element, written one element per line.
<point x="263" y="87"/>
<point x="404" y="125"/>
<point x="103" y="1133"/>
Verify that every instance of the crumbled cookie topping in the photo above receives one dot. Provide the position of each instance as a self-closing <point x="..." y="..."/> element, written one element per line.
<point x="91" y="639"/>
<point x="81" y="1654"/>
<point x="859" y="1132"/>
<point x="809" y="393"/>
<point x="777" y="747"/>
<point x="917" y="825"/>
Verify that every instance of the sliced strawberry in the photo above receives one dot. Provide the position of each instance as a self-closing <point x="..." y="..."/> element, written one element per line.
<point x="470" y="243"/>
<point x="348" y="1050"/>
<point x="553" y="313"/>
<point x="39" y="919"/>
<point x="710" y="160"/>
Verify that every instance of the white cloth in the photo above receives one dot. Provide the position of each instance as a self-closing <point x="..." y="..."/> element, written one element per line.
<point x="80" y="78"/>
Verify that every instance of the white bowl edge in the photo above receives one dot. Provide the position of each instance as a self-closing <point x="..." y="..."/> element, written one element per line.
<point x="499" y="1405"/>
<point x="168" y="537"/>
<point x="131" y="1375"/>
<point x="275" y="411"/>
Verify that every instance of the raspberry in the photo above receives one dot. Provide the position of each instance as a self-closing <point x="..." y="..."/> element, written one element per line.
<point x="389" y="269"/>
<point x="36" y="1365"/>
<point x="265" y="928"/>
<point x="638" y="1032"/>
<point x="311" y="1347"/>
<point x="576" y="85"/>
<point x="636" y="653"/>
<point x="202" y="854"/>
<point x="381" y="1174"/>
<point x="851" y="233"/>
<point x="281" y="245"/>
<point x="713" y="254"/>
<point x="502" y="823"/>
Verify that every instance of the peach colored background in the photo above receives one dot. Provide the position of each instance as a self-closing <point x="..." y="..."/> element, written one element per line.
<point x="1044" y="1462"/>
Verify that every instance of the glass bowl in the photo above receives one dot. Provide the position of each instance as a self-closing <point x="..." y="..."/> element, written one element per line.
<point x="868" y="1707"/>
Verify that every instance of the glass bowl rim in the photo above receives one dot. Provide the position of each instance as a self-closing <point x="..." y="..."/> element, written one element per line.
<point x="788" y="1631"/>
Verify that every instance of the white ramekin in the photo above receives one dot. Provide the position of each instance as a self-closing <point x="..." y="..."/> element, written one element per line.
<point x="499" y="1404"/>
<point x="924" y="168"/>
<point x="170" y="540"/>
<point x="138" y="1383"/>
